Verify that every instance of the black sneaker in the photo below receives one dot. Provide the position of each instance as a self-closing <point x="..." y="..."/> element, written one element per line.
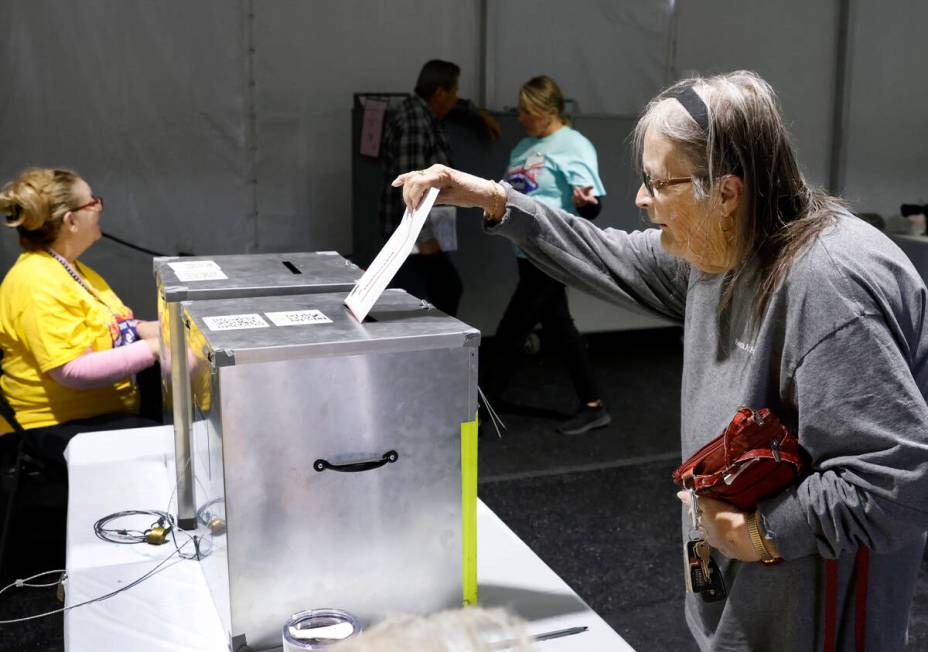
<point x="586" y="419"/>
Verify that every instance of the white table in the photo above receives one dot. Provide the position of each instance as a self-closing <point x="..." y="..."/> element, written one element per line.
<point x="172" y="610"/>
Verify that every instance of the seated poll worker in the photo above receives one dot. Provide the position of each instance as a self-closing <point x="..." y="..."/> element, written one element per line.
<point x="788" y="302"/>
<point x="70" y="346"/>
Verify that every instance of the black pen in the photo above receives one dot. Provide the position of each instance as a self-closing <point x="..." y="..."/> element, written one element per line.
<point x="570" y="631"/>
<point x="546" y="636"/>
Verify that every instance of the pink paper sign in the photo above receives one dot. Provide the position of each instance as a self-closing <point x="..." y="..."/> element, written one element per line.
<point x="372" y="127"/>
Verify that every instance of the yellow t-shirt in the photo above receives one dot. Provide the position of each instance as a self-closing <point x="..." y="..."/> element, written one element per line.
<point x="48" y="319"/>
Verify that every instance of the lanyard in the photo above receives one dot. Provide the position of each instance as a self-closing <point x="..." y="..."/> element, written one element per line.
<point x="125" y="331"/>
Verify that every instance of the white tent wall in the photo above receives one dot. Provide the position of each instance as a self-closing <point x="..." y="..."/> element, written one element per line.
<point x="310" y="57"/>
<point x="886" y="151"/>
<point x="223" y="127"/>
<point x="146" y="104"/>
<point x="610" y="57"/>
<point x="790" y="43"/>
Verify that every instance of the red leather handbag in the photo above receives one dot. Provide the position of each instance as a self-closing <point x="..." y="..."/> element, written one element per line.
<point x="755" y="457"/>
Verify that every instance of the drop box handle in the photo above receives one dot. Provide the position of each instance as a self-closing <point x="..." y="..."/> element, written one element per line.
<point x="354" y="467"/>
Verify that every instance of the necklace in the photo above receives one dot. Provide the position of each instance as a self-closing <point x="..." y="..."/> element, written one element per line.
<point x="124" y="329"/>
<point x="73" y="272"/>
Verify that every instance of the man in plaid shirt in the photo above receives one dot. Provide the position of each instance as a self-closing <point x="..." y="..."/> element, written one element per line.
<point x="413" y="140"/>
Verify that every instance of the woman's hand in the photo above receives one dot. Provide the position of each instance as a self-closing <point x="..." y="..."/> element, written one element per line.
<point x="456" y="189"/>
<point x="726" y="528"/>
<point x="154" y="345"/>
<point x="583" y="195"/>
<point x="148" y="329"/>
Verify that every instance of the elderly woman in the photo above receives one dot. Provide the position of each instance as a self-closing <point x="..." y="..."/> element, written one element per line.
<point x="70" y="346"/>
<point x="788" y="302"/>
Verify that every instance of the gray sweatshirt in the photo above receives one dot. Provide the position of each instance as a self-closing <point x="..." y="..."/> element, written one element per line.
<point x="841" y="356"/>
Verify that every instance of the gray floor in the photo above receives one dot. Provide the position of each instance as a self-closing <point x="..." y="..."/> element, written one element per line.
<point x="600" y="509"/>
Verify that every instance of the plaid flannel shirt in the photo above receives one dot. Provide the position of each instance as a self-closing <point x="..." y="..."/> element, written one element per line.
<point x="413" y="140"/>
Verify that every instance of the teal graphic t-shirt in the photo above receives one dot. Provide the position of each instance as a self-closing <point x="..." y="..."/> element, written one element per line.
<point x="549" y="168"/>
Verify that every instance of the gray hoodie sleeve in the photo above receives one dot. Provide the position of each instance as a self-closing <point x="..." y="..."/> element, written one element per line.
<point x="865" y="425"/>
<point x="628" y="269"/>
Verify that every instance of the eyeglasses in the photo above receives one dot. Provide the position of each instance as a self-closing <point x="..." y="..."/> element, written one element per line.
<point x="659" y="184"/>
<point x="93" y="202"/>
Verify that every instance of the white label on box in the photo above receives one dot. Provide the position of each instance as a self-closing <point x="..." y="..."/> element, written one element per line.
<point x="327" y="253"/>
<point x="235" y="322"/>
<point x="297" y="318"/>
<point x="198" y="270"/>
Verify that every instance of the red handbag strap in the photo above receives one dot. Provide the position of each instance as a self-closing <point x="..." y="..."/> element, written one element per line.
<point x="862" y="570"/>
<point x="861" y="576"/>
<point x="831" y="603"/>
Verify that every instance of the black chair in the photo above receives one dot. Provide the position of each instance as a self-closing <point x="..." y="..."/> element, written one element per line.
<point x="16" y="463"/>
<point x="12" y="458"/>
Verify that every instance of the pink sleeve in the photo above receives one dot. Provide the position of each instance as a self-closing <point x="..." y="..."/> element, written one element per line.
<point x="100" y="368"/>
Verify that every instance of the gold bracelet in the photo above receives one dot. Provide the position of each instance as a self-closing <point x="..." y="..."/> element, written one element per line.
<point x="488" y="215"/>
<point x="758" y="541"/>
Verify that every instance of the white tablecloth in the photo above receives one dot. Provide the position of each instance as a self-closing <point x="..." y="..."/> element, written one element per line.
<point x="172" y="610"/>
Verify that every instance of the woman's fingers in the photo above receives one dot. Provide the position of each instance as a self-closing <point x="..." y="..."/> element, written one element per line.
<point x="416" y="183"/>
<point x="583" y="195"/>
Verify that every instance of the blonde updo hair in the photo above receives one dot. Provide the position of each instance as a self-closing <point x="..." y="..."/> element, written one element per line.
<point x="541" y="95"/>
<point x="35" y="203"/>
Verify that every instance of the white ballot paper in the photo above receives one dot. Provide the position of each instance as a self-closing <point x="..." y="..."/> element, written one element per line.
<point x="375" y="280"/>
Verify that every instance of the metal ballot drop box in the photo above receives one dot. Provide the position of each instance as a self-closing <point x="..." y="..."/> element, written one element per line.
<point x="188" y="278"/>
<point x="334" y="461"/>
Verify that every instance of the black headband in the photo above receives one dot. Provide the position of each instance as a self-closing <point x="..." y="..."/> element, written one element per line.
<point x="694" y="106"/>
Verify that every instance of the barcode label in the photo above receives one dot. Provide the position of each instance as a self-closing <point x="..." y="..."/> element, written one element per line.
<point x="297" y="317"/>
<point x="235" y="322"/>
<point x="198" y="270"/>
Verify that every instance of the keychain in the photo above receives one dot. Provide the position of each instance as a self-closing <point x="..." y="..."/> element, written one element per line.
<point x="701" y="573"/>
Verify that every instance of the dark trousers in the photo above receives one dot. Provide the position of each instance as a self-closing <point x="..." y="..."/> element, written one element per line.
<point x="49" y="443"/>
<point x="431" y="277"/>
<point x="538" y="298"/>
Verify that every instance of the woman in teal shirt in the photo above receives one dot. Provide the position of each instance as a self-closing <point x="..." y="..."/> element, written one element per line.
<point x="556" y="165"/>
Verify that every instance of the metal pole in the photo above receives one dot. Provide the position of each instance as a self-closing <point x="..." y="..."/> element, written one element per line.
<point x="841" y="97"/>
<point x="180" y="398"/>
<point x="251" y="141"/>
<point x="482" y="63"/>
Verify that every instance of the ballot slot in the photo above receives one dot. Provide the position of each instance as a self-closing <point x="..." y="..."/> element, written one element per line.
<point x="290" y="266"/>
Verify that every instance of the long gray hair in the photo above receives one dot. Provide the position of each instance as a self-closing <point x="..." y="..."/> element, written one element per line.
<point x="745" y="137"/>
